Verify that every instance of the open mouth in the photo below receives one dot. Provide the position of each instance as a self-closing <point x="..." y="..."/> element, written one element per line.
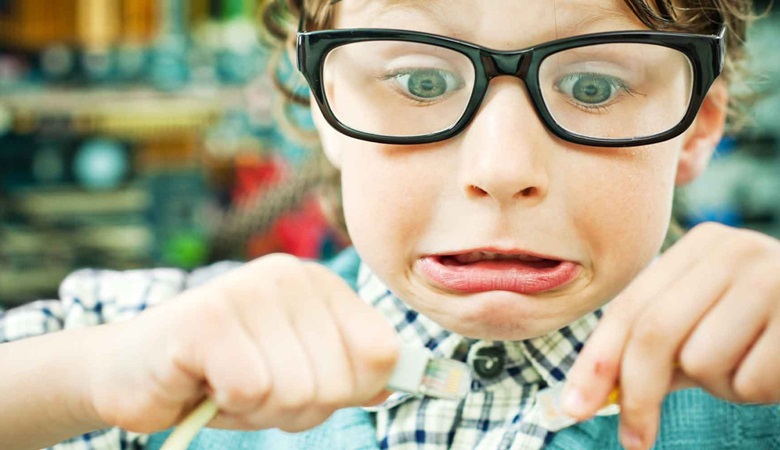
<point x="498" y="260"/>
<point x="482" y="271"/>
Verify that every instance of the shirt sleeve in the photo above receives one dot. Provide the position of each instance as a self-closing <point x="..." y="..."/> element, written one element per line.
<point x="93" y="297"/>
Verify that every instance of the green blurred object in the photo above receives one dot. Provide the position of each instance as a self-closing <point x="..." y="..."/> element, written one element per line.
<point x="232" y="9"/>
<point x="186" y="250"/>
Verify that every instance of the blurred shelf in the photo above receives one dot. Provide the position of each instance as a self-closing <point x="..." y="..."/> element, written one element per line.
<point x="19" y="286"/>
<point x="50" y="205"/>
<point x="133" y="113"/>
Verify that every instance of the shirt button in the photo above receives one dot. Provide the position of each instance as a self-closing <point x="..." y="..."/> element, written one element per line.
<point x="488" y="362"/>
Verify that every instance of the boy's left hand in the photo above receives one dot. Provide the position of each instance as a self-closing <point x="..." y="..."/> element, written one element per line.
<point x="707" y="313"/>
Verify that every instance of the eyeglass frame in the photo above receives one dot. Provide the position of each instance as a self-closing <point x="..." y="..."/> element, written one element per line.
<point x="706" y="54"/>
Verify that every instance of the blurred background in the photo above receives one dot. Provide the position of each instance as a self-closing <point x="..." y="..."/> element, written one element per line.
<point x="142" y="133"/>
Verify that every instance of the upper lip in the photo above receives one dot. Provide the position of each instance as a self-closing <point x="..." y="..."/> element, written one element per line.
<point x="498" y="250"/>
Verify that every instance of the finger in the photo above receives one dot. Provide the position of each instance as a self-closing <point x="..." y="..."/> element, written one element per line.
<point x="732" y="327"/>
<point x="238" y="376"/>
<point x="595" y="372"/>
<point x="379" y="398"/>
<point x="756" y="380"/>
<point x="649" y="356"/>
<point x="290" y="369"/>
<point x="237" y="372"/>
<point x="317" y="328"/>
<point x="372" y="343"/>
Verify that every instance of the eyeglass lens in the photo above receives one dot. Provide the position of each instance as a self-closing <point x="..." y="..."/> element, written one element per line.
<point x="605" y="91"/>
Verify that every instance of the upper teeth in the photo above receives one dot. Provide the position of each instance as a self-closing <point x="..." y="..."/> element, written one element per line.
<point x="480" y="256"/>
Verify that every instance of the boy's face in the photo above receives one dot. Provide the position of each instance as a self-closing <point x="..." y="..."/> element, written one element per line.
<point x="596" y="216"/>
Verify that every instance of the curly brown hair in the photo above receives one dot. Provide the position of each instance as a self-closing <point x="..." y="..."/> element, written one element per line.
<point x="280" y="20"/>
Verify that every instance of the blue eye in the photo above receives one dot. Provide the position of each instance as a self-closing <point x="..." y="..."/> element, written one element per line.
<point x="591" y="89"/>
<point x="427" y="84"/>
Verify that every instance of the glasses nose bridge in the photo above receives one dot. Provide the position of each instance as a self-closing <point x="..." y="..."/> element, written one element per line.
<point x="514" y="63"/>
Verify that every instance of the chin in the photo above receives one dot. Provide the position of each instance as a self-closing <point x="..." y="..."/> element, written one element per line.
<point x="500" y="332"/>
<point x="499" y="323"/>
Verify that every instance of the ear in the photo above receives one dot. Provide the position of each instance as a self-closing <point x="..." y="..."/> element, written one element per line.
<point x="328" y="136"/>
<point x="700" y="140"/>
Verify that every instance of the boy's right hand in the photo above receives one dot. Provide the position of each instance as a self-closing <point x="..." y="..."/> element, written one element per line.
<point x="277" y="343"/>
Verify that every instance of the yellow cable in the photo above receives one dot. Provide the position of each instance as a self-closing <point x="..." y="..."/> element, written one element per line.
<point x="184" y="433"/>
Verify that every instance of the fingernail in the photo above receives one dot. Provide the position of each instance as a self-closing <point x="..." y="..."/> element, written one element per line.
<point x="573" y="401"/>
<point x="630" y="439"/>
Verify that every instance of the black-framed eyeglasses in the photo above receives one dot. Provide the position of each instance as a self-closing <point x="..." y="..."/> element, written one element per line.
<point x="612" y="89"/>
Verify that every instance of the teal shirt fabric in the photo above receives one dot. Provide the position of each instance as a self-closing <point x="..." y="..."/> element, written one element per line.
<point x="690" y="419"/>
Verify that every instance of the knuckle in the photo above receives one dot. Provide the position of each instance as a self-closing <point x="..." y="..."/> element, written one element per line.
<point x="695" y="364"/>
<point x="762" y="277"/>
<point x="635" y="405"/>
<point x="284" y="274"/>
<point x="286" y="268"/>
<point x="709" y="229"/>
<point x="749" y="388"/>
<point x="279" y="268"/>
<point x="297" y="400"/>
<point x="649" y="333"/>
<point x="279" y="260"/>
<point x="316" y="268"/>
<point x="245" y="393"/>
<point x="379" y="356"/>
<point x="742" y="244"/>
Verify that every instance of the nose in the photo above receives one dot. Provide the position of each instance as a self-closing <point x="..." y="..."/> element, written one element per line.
<point x="504" y="155"/>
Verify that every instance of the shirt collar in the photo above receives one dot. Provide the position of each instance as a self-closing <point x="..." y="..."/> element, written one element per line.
<point x="551" y="355"/>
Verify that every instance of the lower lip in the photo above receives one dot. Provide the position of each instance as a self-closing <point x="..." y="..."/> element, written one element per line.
<point x="495" y="275"/>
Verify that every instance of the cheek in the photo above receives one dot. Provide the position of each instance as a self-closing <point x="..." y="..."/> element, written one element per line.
<point x="623" y="214"/>
<point x="389" y="198"/>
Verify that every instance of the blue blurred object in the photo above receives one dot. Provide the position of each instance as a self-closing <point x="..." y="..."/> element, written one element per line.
<point x="724" y="215"/>
<point x="101" y="164"/>
<point x="726" y="146"/>
<point x="169" y="69"/>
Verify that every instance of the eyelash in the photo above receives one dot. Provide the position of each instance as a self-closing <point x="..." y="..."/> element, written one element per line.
<point x="622" y="89"/>
<point x="410" y="71"/>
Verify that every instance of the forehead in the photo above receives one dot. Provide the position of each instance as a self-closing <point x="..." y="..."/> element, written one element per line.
<point x="499" y="24"/>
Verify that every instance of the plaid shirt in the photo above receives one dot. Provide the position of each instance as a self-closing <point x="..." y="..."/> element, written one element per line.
<point x="499" y="412"/>
<point x="93" y="297"/>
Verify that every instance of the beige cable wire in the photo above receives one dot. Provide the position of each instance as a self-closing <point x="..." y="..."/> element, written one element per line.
<point x="184" y="433"/>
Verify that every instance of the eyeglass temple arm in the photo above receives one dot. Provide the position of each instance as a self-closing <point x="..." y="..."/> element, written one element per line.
<point x="722" y="49"/>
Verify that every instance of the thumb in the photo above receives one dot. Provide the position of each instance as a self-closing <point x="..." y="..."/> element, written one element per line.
<point x="379" y="398"/>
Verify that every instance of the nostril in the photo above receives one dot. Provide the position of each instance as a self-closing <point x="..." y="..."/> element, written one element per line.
<point x="528" y="192"/>
<point x="477" y="191"/>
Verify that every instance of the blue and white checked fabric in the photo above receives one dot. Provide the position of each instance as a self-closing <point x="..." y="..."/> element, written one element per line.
<point x="498" y="413"/>
<point x="93" y="297"/>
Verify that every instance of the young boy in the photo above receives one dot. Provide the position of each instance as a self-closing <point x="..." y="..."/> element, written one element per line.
<point x="497" y="199"/>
